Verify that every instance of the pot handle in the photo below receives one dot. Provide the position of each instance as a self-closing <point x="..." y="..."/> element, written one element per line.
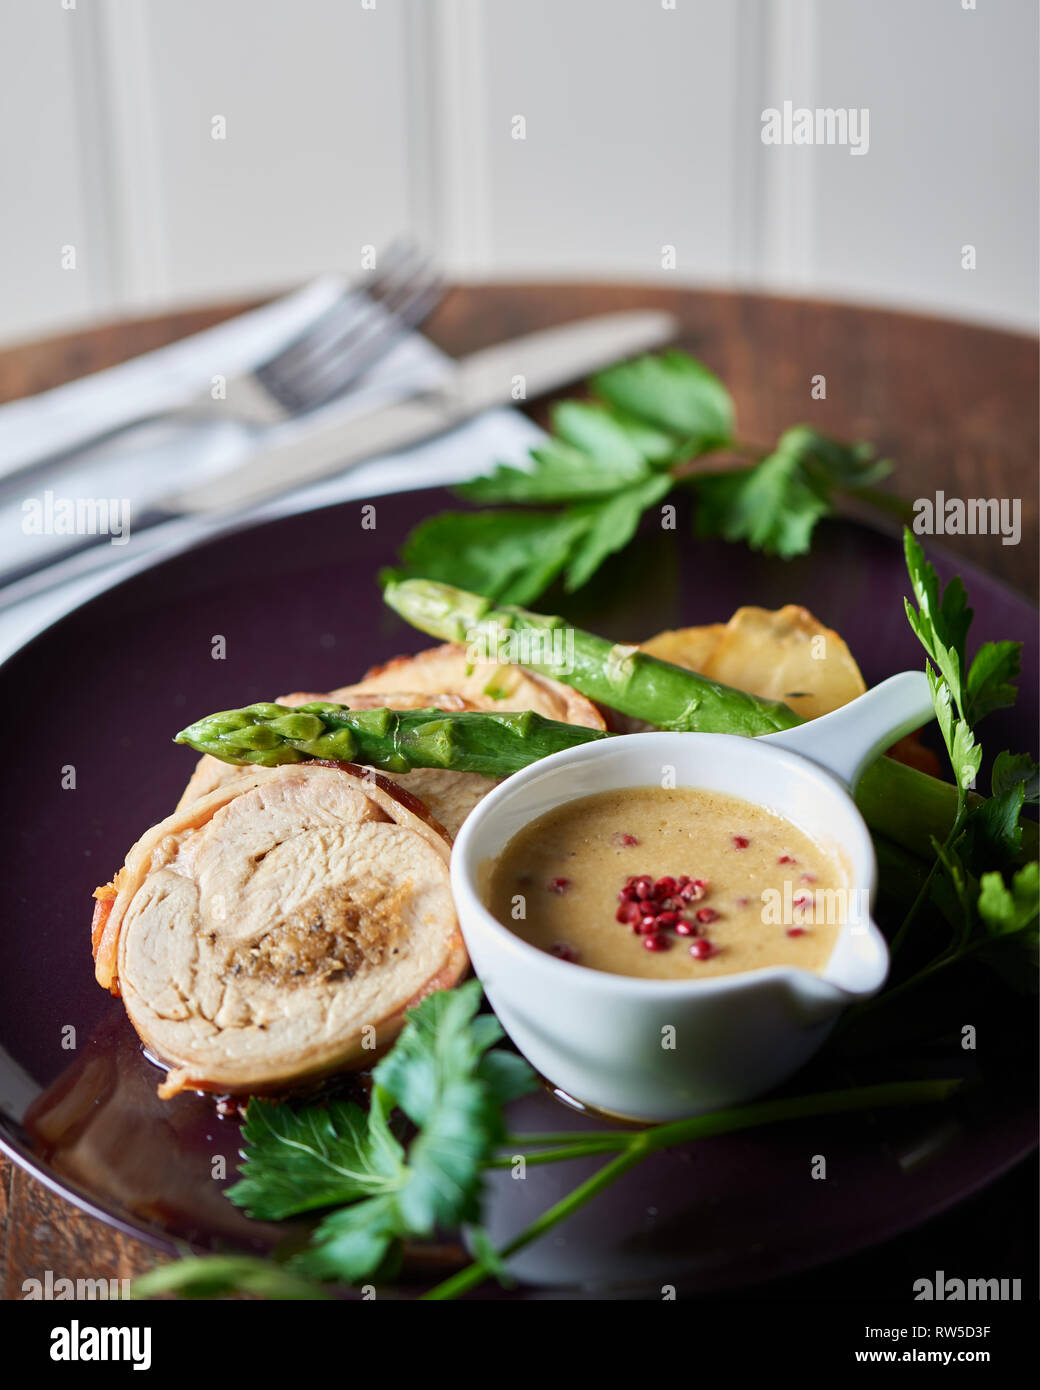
<point x="846" y="740"/>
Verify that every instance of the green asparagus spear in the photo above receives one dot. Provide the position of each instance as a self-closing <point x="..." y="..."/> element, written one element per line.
<point x="622" y="677"/>
<point x="897" y="801"/>
<point x="394" y="740"/>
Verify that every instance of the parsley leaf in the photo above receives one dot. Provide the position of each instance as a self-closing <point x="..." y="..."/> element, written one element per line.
<point x="996" y="664"/>
<point x="673" y="392"/>
<point x="1006" y="911"/>
<point x="514" y="556"/>
<point x="963" y="696"/>
<point x="829" y="464"/>
<point x="611" y="524"/>
<point x="612" y="436"/>
<point x="434" y="1074"/>
<point x="993" y="830"/>
<point x="443" y="1075"/>
<point x="296" y="1160"/>
<point x="965" y="754"/>
<point x="592" y="453"/>
<point x="770" y="506"/>
<point x="775" y="505"/>
<point x="1010" y="769"/>
<point x="355" y="1242"/>
<point x="940" y="623"/>
<point x="1009" y="915"/>
<point x="510" y="556"/>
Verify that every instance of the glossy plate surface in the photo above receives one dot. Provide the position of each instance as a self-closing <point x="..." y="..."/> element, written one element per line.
<point x="298" y="607"/>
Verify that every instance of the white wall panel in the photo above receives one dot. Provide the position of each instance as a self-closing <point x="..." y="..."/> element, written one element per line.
<point x="315" y="160"/>
<point x="351" y="120"/>
<point x="45" y="189"/>
<point x="629" y="109"/>
<point x="952" y="160"/>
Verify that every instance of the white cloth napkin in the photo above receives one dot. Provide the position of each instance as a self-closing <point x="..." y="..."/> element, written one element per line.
<point x="144" y="470"/>
<point x="163" y="379"/>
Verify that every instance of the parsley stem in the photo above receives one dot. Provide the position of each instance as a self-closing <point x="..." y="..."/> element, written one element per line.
<point x="664" y="1136"/>
<point x="915" y="907"/>
<point x="797" y="1108"/>
<point x="926" y="886"/>
<point x="519" y="1143"/>
<point x="559" y="1155"/>
<point x="477" y="1272"/>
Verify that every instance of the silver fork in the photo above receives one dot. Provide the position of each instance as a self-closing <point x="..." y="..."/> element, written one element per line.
<point x="347" y="340"/>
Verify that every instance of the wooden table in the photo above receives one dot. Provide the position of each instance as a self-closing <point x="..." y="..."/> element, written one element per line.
<point x="954" y="405"/>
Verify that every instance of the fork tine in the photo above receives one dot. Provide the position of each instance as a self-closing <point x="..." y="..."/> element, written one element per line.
<point x="348" y="305"/>
<point x="357" y="311"/>
<point x="344" y="316"/>
<point x="333" y="374"/>
<point x="344" y="373"/>
<point x="323" y="367"/>
<point x="377" y="318"/>
<point x="396" y="258"/>
<point x="335" y="371"/>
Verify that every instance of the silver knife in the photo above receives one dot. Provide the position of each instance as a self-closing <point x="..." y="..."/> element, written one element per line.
<point x="534" y="364"/>
<point x="520" y="369"/>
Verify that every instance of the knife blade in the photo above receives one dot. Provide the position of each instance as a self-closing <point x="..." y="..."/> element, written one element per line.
<point x="533" y="364"/>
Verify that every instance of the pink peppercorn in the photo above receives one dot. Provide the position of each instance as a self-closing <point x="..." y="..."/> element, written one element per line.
<point x="693" y="890"/>
<point x="656" y="942"/>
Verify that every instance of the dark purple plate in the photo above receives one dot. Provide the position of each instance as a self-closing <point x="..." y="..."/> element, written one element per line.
<point x="299" y="608"/>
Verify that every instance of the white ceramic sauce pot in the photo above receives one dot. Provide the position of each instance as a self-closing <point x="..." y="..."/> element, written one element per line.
<point x="663" y="1049"/>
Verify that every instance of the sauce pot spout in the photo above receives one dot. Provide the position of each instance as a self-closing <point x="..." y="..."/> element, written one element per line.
<point x="845" y="741"/>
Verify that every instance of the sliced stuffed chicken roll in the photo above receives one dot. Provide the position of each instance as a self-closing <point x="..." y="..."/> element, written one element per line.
<point x="278" y="928"/>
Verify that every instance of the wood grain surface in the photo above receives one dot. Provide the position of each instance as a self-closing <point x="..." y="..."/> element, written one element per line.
<point x="953" y="404"/>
